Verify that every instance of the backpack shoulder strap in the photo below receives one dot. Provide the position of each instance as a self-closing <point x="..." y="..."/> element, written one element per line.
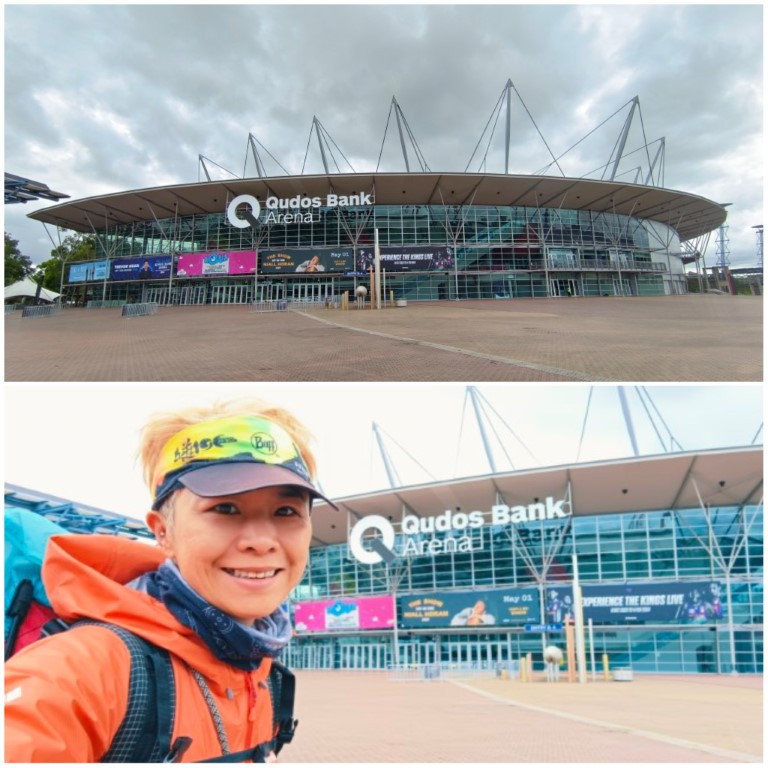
<point x="144" y="735"/>
<point x="282" y="687"/>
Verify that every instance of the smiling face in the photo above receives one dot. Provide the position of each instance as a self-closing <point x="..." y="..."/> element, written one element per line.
<point x="242" y="553"/>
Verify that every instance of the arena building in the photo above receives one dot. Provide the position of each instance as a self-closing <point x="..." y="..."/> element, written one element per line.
<point x="479" y="571"/>
<point x="440" y="235"/>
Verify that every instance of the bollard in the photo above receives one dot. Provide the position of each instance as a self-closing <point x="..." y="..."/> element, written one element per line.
<point x="606" y="671"/>
<point x="523" y="670"/>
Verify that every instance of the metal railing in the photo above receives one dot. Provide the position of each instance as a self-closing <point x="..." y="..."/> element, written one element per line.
<point x="628" y="265"/>
<point x="405" y="673"/>
<point x="46" y="310"/>
<point x="105" y="304"/>
<point x="139" y="310"/>
<point x="283" y="305"/>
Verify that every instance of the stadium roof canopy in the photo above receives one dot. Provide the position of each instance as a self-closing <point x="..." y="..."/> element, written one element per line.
<point x="717" y="478"/>
<point x="689" y="214"/>
<point x="21" y="190"/>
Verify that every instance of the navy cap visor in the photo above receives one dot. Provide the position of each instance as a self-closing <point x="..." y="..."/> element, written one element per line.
<point x="240" y="477"/>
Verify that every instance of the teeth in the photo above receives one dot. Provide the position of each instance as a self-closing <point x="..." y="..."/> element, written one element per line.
<point x="251" y="574"/>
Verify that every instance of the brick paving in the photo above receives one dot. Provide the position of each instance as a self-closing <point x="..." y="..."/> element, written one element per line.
<point x="365" y="717"/>
<point x="681" y="338"/>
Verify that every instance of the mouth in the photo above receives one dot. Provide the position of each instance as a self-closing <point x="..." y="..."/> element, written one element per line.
<point x="253" y="574"/>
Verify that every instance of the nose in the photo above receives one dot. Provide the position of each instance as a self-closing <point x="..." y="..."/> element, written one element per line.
<point x="258" y="535"/>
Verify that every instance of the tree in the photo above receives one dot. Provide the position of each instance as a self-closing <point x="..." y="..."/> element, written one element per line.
<point x="17" y="265"/>
<point x="77" y="247"/>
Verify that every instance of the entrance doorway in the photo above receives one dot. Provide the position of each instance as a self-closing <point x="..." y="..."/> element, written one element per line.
<point x="270" y="291"/>
<point x="310" y="290"/>
<point x="561" y="287"/>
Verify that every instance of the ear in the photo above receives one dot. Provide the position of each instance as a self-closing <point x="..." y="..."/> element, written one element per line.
<point x="159" y="527"/>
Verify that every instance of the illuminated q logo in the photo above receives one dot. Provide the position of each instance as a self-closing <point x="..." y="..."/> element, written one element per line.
<point x="251" y="216"/>
<point x="382" y="548"/>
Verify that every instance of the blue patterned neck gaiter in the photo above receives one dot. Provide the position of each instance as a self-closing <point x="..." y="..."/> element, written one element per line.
<point x="229" y="640"/>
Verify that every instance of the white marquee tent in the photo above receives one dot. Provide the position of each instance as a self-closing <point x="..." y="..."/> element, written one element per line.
<point x="27" y="288"/>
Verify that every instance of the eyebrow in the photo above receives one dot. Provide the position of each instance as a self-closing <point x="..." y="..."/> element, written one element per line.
<point x="292" y="492"/>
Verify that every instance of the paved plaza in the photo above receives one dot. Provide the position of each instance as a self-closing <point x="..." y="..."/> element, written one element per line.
<point x="364" y="717"/>
<point x="676" y="338"/>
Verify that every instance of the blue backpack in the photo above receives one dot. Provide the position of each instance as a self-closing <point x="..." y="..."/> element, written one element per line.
<point x="144" y="736"/>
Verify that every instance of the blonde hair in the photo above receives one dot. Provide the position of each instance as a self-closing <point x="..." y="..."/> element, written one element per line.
<point x="163" y="426"/>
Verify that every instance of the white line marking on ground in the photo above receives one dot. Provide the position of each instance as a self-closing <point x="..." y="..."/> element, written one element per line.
<point x="578" y="375"/>
<point x="740" y="756"/>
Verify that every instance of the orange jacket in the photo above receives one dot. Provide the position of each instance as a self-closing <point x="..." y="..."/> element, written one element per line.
<point x="67" y="694"/>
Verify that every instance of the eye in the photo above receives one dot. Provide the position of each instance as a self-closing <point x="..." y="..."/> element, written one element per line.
<point x="290" y="511"/>
<point x="225" y="508"/>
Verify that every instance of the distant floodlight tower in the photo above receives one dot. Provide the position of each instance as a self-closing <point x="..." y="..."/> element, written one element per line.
<point x="723" y="251"/>
<point x="759" y="232"/>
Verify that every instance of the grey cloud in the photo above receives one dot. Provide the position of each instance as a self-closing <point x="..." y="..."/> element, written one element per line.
<point x="196" y="79"/>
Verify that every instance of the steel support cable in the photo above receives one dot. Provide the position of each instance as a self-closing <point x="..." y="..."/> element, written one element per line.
<point x="552" y="154"/>
<point x="323" y="136"/>
<point x="673" y="439"/>
<point x="384" y="139"/>
<point x="645" y="138"/>
<point x="585" y="137"/>
<point x="484" y="162"/>
<point x="640" y="392"/>
<point x="414" y="460"/>
<point x="584" y="423"/>
<point x="759" y="430"/>
<point x="496" y="434"/>
<point x="610" y="157"/>
<point x="287" y="173"/>
<point x="328" y="138"/>
<point x="512" y="431"/>
<point x="479" y="141"/>
<point x="419" y="154"/>
<point x="461" y="432"/>
<point x="306" y="153"/>
<point x="231" y="173"/>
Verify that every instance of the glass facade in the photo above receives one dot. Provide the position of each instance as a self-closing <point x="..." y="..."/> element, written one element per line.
<point x="683" y="547"/>
<point x="498" y="252"/>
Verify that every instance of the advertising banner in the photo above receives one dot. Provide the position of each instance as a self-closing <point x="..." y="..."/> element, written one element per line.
<point x="345" y="613"/>
<point x="218" y="263"/>
<point x="87" y="270"/>
<point x="141" y="268"/>
<point x="682" y="602"/>
<point x="305" y="260"/>
<point x="478" y="608"/>
<point x="406" y="258"/>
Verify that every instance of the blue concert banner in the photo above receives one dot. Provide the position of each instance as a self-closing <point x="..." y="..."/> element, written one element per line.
<point x="86" y="271"/>
<point x="406" y="258"/>
<point x="681" y="602"/>
<point x="142" y="268"/>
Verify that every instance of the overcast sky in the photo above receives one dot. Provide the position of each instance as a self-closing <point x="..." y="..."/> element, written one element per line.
<point x="107" y="98"/>
<point x="79" y="441"/>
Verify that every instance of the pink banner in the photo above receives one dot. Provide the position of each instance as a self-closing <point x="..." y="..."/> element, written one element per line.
<point x="345" y="613"/>
<point x="216" y="263"/>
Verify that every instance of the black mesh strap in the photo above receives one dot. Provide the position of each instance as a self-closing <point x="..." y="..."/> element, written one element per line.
<point x="144" y="735"/>
<point x="282" y="686"/>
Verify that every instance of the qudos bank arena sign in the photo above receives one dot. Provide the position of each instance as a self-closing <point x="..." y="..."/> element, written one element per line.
<point x="414" y="528"/>
<point x="299" y="209"/>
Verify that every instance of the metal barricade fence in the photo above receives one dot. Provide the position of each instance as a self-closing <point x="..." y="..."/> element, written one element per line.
<point x="272" y="305"/>
<point x="404" y="673"/>
<point x="139" y="310"/>
<point x="11" y="308"/>
<point x="46" y="310"/>
<point x="105" y="304"/>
